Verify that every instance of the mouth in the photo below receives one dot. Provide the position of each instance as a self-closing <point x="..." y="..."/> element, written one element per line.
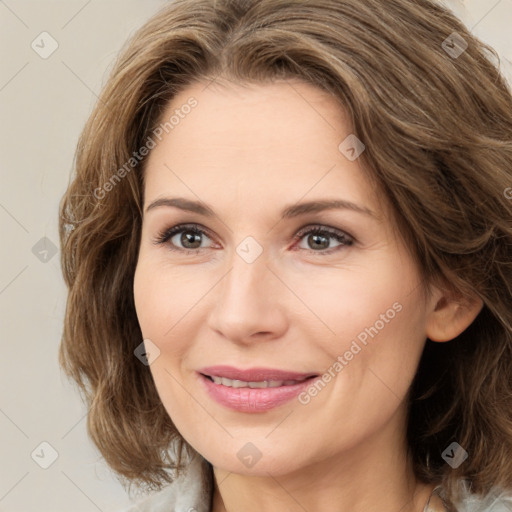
<point x="253" y="390"/>
<point x="254" y="375"/>
<point x="235" y="383"/>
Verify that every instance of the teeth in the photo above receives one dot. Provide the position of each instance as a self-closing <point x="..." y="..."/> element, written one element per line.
<point x="233" y="383"/>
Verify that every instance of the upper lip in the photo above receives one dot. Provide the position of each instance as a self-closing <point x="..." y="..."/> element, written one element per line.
<point x="253" y="374"/>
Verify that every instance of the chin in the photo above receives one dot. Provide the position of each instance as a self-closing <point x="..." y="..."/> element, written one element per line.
<point x="242" y="464"/>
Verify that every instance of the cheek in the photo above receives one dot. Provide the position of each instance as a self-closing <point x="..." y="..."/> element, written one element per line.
<point x="163" y="296"/>
<point x="168" y="306"/>
<point x="380" y="350"/>
<point x="365" y="303"/>
<point x="160" y="306"/>
<point x="149" y="297"/>
<point x="377" y="324"/>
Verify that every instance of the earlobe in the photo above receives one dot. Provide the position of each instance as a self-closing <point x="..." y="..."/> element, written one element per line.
<point x="451" y="316"/>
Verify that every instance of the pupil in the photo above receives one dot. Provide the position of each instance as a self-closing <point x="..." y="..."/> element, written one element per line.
<point x="188" y="238"/>
<point x="317" y="240"/>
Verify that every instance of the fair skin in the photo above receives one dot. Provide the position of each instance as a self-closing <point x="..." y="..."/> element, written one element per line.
<point x="248" y="152"/>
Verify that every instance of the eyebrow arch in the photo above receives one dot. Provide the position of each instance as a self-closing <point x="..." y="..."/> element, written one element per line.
<point x="289" y="212"/>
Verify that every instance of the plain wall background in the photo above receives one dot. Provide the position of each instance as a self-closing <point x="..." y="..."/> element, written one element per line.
<point x="44" y="104"/>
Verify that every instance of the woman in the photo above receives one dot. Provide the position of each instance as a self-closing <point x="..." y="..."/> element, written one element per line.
<point x="288" y="250"/>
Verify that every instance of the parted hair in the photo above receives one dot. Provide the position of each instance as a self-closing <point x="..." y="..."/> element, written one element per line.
<point x="436" y="121"/>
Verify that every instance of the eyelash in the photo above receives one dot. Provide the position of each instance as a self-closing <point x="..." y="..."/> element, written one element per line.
<point x="344" y="239"/>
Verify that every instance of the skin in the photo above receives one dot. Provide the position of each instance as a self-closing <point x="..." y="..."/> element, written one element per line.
<point x="247" y="152"/>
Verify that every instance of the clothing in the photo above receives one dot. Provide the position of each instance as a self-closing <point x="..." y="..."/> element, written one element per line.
<point x="191" y="492"/>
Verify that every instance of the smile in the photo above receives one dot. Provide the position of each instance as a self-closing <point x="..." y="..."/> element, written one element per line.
<point x="252" y="391"/>
<point x="256" y="384"/>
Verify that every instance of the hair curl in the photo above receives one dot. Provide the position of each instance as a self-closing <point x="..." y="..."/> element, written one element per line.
<point x="438" y="136"/>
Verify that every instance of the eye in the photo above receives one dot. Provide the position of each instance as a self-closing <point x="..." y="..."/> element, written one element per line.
<point x="188" y="235"/>
<point x="318" y="239"/>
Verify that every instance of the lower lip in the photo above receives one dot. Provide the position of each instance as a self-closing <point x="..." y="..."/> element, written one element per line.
<point x="253" y="399"/>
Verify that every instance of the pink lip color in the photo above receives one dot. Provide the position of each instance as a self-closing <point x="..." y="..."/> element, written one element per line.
<point x="253" y="374"/>
<point x="252" y="399"/>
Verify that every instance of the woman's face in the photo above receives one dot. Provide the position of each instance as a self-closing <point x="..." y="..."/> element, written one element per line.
<point x="248" y="283"/>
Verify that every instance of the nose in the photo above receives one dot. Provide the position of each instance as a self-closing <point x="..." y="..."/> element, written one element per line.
<point x="249" y="303"/>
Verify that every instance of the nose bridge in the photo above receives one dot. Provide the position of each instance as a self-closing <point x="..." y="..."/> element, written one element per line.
<point x="247" y="280"/>
<point x="246" y="302"/>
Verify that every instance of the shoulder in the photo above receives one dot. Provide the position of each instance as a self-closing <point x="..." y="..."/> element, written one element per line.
<point x="190" y="492"/>
<point x="497" y="500"/>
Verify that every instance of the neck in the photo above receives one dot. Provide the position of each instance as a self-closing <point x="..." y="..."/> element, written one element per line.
<point x="274" y="495"/>
<point x="233" y="493"/>
<point x="374" y="476"/>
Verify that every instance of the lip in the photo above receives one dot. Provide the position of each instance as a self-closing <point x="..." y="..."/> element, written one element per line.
<point x="253" y="400"/>
<point x="253" y="374"/>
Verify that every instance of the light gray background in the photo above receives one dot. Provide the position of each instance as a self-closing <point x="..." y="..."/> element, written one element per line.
<point x="44" y="104"/>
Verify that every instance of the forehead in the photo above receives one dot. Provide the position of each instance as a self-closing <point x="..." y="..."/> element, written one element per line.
<point x="260" y="110"/>
<point x="256" y="142"/>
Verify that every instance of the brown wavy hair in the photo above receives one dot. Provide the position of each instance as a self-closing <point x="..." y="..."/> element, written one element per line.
<point x="438" y="136"/>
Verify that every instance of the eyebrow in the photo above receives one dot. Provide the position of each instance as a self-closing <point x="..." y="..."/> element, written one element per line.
<point x="289" y="212"/>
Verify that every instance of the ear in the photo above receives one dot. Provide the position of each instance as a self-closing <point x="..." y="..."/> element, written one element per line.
<point x="450" y="314"/>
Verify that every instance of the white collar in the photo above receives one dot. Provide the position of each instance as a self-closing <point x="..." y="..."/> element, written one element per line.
<point x="191" y="491"/>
